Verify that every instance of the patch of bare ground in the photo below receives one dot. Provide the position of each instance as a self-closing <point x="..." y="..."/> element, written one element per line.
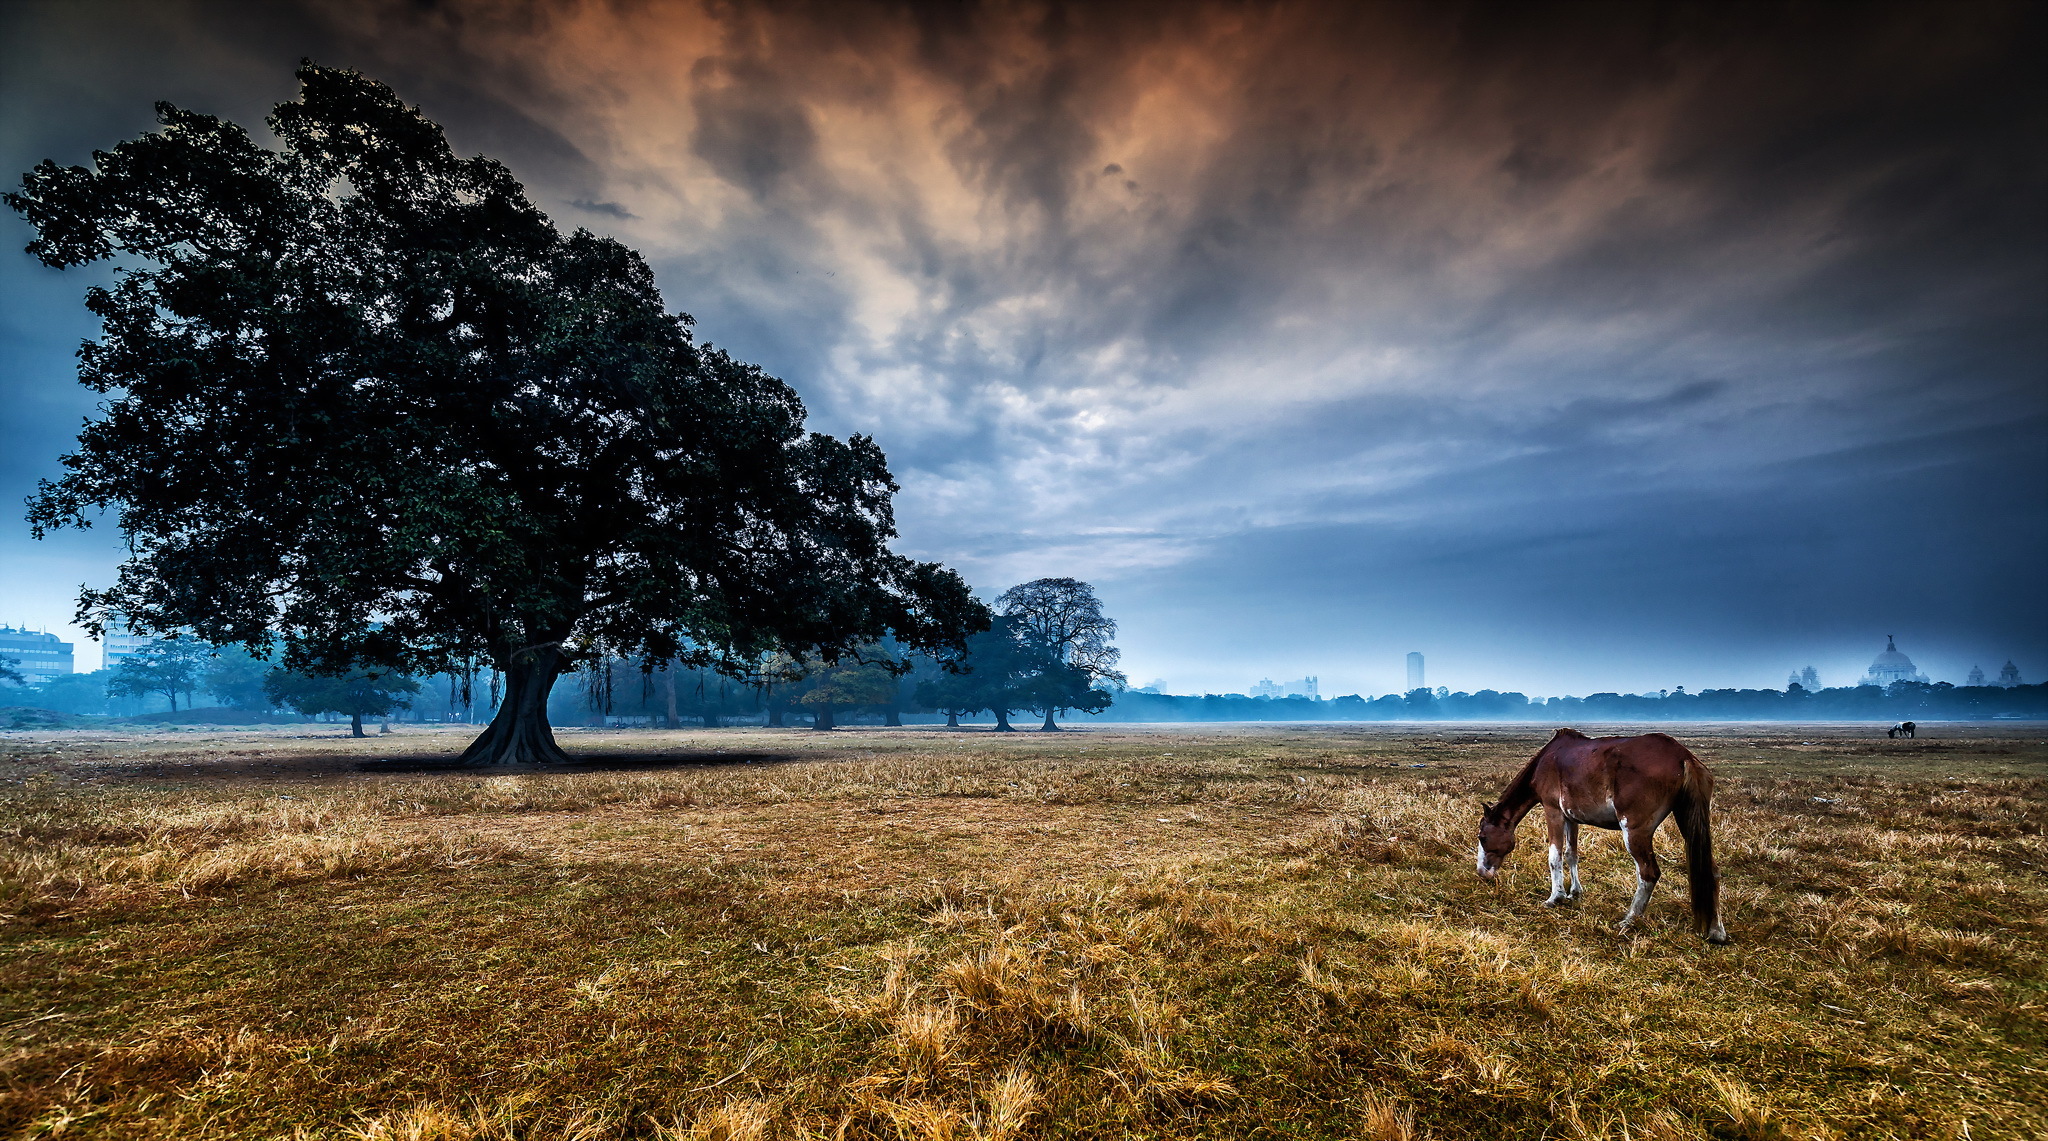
<point x="1196" y="932"/>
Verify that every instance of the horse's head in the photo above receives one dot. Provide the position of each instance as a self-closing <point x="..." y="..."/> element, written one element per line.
<point x="1496" y="839"/>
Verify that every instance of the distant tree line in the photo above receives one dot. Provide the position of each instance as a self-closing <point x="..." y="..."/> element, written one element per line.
<point x="1000" y="679"/>
<point x="1901" y="701"/>
<point x="1048" y="651"/>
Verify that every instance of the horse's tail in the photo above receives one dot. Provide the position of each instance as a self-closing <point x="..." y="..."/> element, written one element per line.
<point x="1703" y="879"/>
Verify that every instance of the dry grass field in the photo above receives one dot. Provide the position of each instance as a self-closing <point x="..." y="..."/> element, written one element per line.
<point x="1209" y="931"/>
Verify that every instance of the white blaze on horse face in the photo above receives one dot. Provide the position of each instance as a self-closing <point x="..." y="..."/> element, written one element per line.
<point x="1483" y="869"/>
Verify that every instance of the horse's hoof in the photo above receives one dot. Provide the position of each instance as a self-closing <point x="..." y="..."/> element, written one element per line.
<point x="1553" y="901"/>
<point x="1718" y="938"/>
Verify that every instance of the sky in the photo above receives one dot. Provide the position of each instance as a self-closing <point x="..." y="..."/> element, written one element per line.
<point x="1580" y="347"/>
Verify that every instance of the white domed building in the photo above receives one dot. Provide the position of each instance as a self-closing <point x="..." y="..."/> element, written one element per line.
<point x="1892" y="666"/>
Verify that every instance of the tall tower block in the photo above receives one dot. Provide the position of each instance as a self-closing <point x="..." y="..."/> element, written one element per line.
<point x="1415" y="681"/>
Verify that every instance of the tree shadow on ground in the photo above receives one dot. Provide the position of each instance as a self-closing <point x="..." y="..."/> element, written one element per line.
<point x="342" y="767"/>
<point x="607" y="762"/>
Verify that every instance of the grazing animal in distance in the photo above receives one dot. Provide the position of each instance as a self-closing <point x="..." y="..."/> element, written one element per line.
<point x="1902" y="729"/>
<point x="1625" y="783"/>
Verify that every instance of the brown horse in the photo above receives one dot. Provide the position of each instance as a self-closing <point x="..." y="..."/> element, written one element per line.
<point x="1627" y="783"/>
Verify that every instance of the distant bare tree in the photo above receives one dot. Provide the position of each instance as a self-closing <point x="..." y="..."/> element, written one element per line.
<point x="1063" y="616"/>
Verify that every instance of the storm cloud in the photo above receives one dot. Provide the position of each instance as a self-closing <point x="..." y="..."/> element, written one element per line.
<point x="1580" y="347"/>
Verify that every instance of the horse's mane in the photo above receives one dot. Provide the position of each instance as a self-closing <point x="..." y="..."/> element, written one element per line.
<point x="1527" y="776"/>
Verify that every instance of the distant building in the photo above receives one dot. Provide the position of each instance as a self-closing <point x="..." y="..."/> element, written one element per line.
<point x="1807" y="679"/>
<point x="2010" y="675"/>
<point x="1891" y="666"/>
<point x="121" y="643"/>
<point x="1305" y="687"/>
<point x="1976" y="677"/>
<point x="1415" y="681"/>
<point x="38" y="656"/>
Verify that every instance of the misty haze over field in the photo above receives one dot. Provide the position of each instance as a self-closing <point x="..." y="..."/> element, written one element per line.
<point x="1580" y="349"/>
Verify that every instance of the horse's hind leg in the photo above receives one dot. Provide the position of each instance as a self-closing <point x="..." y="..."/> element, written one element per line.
<point x="1642" y="844"/>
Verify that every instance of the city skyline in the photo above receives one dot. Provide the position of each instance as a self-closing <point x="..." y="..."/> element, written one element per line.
<point x="119" y="643"/>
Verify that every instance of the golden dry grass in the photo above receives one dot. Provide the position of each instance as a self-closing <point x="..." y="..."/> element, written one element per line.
<point x="1200" y="932"/>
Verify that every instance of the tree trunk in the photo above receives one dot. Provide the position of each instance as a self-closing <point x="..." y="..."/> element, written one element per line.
<point x="711" y="718"/>
<point x="520" y="733"/>
<point x="355" y="725"/>
<point x="893" y="716"/>
<point x="1048" y="727"/>
<point x="823" y="720"/>
<point x="775" y="717"/>
<point x="1003" y="721"/>
<point x="952" y="720"/>
<point x="668" y="689"/>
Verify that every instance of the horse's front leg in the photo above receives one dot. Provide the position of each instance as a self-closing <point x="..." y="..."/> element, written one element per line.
<point x="1555" y="823"/>
<point x="1571" y="856"/>
<point x="1641" y="839"/>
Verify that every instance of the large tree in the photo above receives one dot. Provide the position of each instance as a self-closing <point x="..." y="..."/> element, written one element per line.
<point x="1063" y="620"/>
<point x="366" y="401"/>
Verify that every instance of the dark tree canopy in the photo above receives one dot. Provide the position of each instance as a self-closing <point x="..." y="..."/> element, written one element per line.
<point x="366" y="401"/>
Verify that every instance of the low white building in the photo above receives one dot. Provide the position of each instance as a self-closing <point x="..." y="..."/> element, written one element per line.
<point x="38" y="655"/>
